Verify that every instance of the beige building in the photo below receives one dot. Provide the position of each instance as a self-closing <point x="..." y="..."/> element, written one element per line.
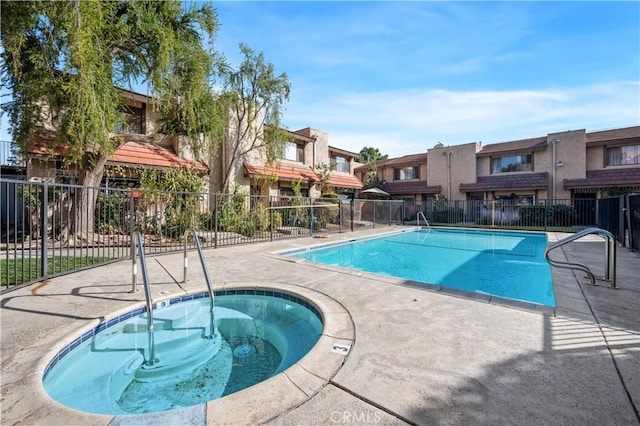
<point x="305" y="153"/>
<point x="565" y="165"/>
<point x="247" y="167"/>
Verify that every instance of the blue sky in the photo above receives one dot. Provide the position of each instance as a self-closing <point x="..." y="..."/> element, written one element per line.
<point x="403" y="76"/>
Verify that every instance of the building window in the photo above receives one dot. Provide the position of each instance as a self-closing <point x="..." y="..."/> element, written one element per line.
<point x="514" y="163"/>
<point x="406" y="173"/>
<point x="288" y="192"/>
<point x="292" y="151"/>
<point x="340" y="164"/>
<point x="623" y="155"/>
<point x="409" y="201"/>
<point x="132" y="121"/>
<point x="515" y="200"/>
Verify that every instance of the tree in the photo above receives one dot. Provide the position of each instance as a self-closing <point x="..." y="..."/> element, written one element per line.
<point x="253" y="97"/>
<point x="369" y="154"/>
<point x="72" y="55"/>
<point x="324" y="173"/>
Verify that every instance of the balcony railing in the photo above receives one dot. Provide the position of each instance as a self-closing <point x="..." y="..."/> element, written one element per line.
<point x="9" y="155"/>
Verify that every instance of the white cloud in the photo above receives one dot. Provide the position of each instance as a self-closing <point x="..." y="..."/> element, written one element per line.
<point x="409" y="121"/>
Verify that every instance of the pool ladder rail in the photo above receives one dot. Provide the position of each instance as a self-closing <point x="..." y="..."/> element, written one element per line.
<point x="610" y="254"/>
<point x="424" y="218"/>
<point x="207" y="279"/>
<point x="151" y="359"/>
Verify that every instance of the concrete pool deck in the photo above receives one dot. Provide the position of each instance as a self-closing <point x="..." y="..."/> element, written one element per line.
<point x="417" y="356"/>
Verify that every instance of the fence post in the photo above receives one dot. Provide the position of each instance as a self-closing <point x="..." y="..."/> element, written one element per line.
<point x="311" y="219"/>
<point x="374" y="214"/>
<point x="493" y="213"/>
<point x="351" y="211"/>
<point x="44" y="230"/>
<point x="215" y="221"/>
<point x="621" y="221"/>
<point x="270" y="219"/>
<point x="389" y="212"/>
<point x="339" y="215"/>
<point x="134" y="264"/>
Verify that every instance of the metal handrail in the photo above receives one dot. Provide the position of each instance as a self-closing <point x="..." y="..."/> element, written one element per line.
<point x="207" y="279"/>
<point x="610" y="254"/>
<point x="147" y="291"/>
<point x="425" y="219"/>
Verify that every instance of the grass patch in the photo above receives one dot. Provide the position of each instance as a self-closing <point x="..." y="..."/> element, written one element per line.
<point x="17" y="271"/>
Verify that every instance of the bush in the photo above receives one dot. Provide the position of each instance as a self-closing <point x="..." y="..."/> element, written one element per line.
<point x="109" y="211"/>
<point x="535" y="216"/>
<point x="484" y="220"/>
<point x="330" y="196"/>
<point x="563" y="215"/>
<point x="448" y="214"/>
<point x="557" y="215"/>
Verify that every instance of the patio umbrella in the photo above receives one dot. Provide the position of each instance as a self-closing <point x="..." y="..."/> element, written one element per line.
<point x="375" y="191"/>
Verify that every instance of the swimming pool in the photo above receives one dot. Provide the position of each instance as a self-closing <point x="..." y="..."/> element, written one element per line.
<point x="503" y="264"/>
<point x="261" y="333"/>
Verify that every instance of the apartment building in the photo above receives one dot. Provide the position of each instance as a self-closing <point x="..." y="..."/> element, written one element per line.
<point x="304" y="150"/>
<point x="144" y="147"/>
<point x="573" y="164"/>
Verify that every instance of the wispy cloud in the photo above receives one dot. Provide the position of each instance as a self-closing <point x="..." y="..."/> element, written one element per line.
<point x="406" y="121"/>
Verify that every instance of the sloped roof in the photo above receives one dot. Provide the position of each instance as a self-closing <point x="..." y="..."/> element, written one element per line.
<point x="284" y="170"/>
<point x="532" y="144"/>
<point x="616" y="135"/>
<point x="152" y="155"/>
<point x="397" y="161"/>
<point x="606" y="178"/>
<point x="131" y="154"/>
<point x="508" y="182"/>
<point x="344" y="180"/>
<point x="343" y="152"/>
<point x="43" y="142"/>
<point x="411" y="187"/>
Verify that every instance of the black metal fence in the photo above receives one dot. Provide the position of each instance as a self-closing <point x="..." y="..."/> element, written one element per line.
<point x="545" y="215"/>
<point x="621" y="216"/>
<point x="51" y="229"/>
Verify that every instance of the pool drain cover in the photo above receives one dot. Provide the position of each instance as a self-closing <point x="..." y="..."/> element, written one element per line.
<point x="244" y="351"/>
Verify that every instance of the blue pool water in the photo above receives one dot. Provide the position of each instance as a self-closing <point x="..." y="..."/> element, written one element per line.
<point x="258" y="336"/>
<point x="509" y="265"/>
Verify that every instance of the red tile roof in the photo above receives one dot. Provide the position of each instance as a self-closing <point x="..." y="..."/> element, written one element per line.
<point x="606" y="178"/>
<point x="344" y="180"/>
<point x="524" y="145"/>
<point x="508" y="182"/>
<point x="411" y="187"/>
<point x="283" y="170"/>
<point x="44" y="143"/>
<point x="152" y="155"/>
<point x="131" y="154"/>
<point x="613" y="135"/>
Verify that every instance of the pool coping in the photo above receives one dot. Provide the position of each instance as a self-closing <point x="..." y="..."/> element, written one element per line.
<point x="435" y="288"/>
<point x="258" y="403"/>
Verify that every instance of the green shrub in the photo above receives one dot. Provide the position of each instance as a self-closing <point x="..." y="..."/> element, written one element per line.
<point x="484" y="220"/>
<point x="557" y="215"/>
<point x="448" y="214"/>
<point x="535" y="216"/>
<point x="563" y="215"/>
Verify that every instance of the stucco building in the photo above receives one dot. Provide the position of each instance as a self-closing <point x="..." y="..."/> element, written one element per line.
<point x="145" y="147"/>
<point x="567" y="165"/>
<point x="303" y="156"/>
